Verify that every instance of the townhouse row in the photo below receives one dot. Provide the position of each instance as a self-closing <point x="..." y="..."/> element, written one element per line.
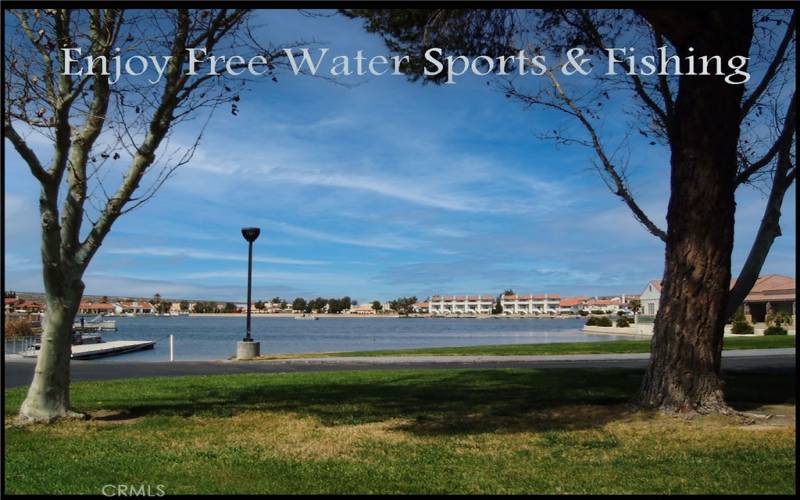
<point x="525" y="304"/>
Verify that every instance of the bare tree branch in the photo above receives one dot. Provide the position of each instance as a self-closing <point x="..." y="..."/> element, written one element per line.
<point x="785" y="137"/>
<point x="772" y="70"/>
<point x="620" y="188"/>
<point x="26" y="153"/>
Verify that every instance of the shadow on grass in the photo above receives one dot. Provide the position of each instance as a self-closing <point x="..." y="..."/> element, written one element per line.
<point x="437" y="403"/>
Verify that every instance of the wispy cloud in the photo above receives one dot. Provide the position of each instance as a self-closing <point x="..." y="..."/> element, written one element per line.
<point x="390" y="242"/>
<point x="206" y="255"/>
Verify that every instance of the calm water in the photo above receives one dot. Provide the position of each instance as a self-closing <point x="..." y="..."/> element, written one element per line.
<point x="199" y="338"/>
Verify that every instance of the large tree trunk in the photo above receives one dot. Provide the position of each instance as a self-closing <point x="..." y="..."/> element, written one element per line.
<point x="48" y="395"/>
<point x="684" y="371"/>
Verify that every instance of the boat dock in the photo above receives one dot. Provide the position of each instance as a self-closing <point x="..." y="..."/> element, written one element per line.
<point x="102" y="349"/>
<point x="113" y="348"/>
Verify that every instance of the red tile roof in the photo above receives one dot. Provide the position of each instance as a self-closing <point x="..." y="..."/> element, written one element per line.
<point x="573" y="301"/>
<point x="772" y="287"/>
<point x="96" y="305"/>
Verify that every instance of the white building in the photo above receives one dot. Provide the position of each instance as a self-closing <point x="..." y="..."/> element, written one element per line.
<point x="650" y="297"/>
<point x="573" y="305"/>
<point x="134" y="307"/>
<point x="445" y="305"/>
<point x="531" y="304"/>
<point x="605" y="306"/>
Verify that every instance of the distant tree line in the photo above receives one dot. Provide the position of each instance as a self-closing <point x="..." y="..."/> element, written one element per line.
<point x="323" y="305"/>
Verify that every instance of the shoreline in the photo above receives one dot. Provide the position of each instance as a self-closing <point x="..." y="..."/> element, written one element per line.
<point x="366" y="316"/>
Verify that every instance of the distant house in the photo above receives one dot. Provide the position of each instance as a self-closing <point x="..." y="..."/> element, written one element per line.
<point x="95" y="308"/>
<point x="607" y="306"/>
<point x="531" y="304"/>
<point x="421" y="307"/>
<point x="134" y="307"/>
<point x="445" y="305"/>
<point x="363" y="309"/>
<point x="573" y="305"/>
<point x="16" y="305"/>
<point x="650" y="298"/>
<point x="771" y="293"/>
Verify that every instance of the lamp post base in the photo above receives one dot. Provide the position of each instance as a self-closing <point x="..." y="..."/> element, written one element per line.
<point x="248" y="350"/>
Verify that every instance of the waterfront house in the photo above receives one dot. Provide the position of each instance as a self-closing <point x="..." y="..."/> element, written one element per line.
<point x="531" y="304"/>
<point x="770" y="293"/>
<point x="605" y="306"/>
<point x="95" y="308"/>
<point x="650" y="298"/>
<point x="572" y="305"/>
<point x="363" y="309"/>
<point x="134" y="308"/>
<point x="446" y="305"/>
<point x="421" y="307"/>
<point x="21" y="306"/>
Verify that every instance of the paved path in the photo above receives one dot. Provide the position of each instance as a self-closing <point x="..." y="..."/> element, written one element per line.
<point x="19" y="372"/>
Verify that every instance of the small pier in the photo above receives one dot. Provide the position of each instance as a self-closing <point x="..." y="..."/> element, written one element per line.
<point x="101" y="349"/>
<point x="113" y="348"/>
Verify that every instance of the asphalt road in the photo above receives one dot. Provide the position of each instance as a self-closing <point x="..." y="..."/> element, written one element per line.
<point x="19" y="372"/>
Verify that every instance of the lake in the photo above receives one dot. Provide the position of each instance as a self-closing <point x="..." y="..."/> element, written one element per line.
<point x="204" y="338"/>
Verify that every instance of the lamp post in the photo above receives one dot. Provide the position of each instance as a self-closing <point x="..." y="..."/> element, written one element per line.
<point x="247" y="349"/>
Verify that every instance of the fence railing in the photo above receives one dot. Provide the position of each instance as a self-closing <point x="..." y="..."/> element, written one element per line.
<point x="18" y="345"/>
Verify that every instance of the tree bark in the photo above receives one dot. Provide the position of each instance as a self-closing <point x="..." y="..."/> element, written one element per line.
<point x="684" y="372"/>
<point x="48" y="395"/>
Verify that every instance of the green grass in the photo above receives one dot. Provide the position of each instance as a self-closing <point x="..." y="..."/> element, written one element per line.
<point x="409" y="431"/>
<point x="605" y="347"/>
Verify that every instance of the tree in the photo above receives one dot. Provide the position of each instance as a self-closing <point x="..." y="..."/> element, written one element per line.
<point x="184" y="305"/>
<point x="334" y="306"/>
<point x="156" y="299"/>
<point x="316" y="305"/>
<point x="205" y="307"/>
<point x="95" y="125"/>
<point x="259" y="305"/>
<point x="376" y="306"/>
<point x="719" y="137"/>
<point x="299" y="304"/>
<point x="498" y="305"/>
<point x="164" y="306"/>
<point x="104" y="299"/>
<point x="403" y="305"/>
<point x="229" y="307"/>
<point x="635" y="305"/>
<point x="276" y="300"/>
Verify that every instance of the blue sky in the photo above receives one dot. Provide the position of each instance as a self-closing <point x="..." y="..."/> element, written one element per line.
<point x="379" y="189"/>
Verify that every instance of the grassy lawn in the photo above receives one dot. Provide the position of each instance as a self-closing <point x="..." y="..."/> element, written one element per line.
<point x="409" y="431"/>
<point x="605" y="347"/>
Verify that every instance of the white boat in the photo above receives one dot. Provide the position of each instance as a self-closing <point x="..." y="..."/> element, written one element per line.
<point x="306" y="317"/>
<point x="96" y="324"/>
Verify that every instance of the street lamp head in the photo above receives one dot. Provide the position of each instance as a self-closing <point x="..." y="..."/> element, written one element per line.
<point x="251" y="233"/>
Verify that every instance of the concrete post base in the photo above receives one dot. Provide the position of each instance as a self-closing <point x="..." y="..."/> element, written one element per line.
<point x="248" y="350"/>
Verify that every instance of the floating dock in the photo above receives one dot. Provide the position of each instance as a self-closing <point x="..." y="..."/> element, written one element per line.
<point x="103" y="349"/>
<point x="113" y="348"/>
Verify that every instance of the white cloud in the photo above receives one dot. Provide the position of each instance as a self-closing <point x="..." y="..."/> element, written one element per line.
<point x="205" y="255"/>
<point x="389" y="242"/>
